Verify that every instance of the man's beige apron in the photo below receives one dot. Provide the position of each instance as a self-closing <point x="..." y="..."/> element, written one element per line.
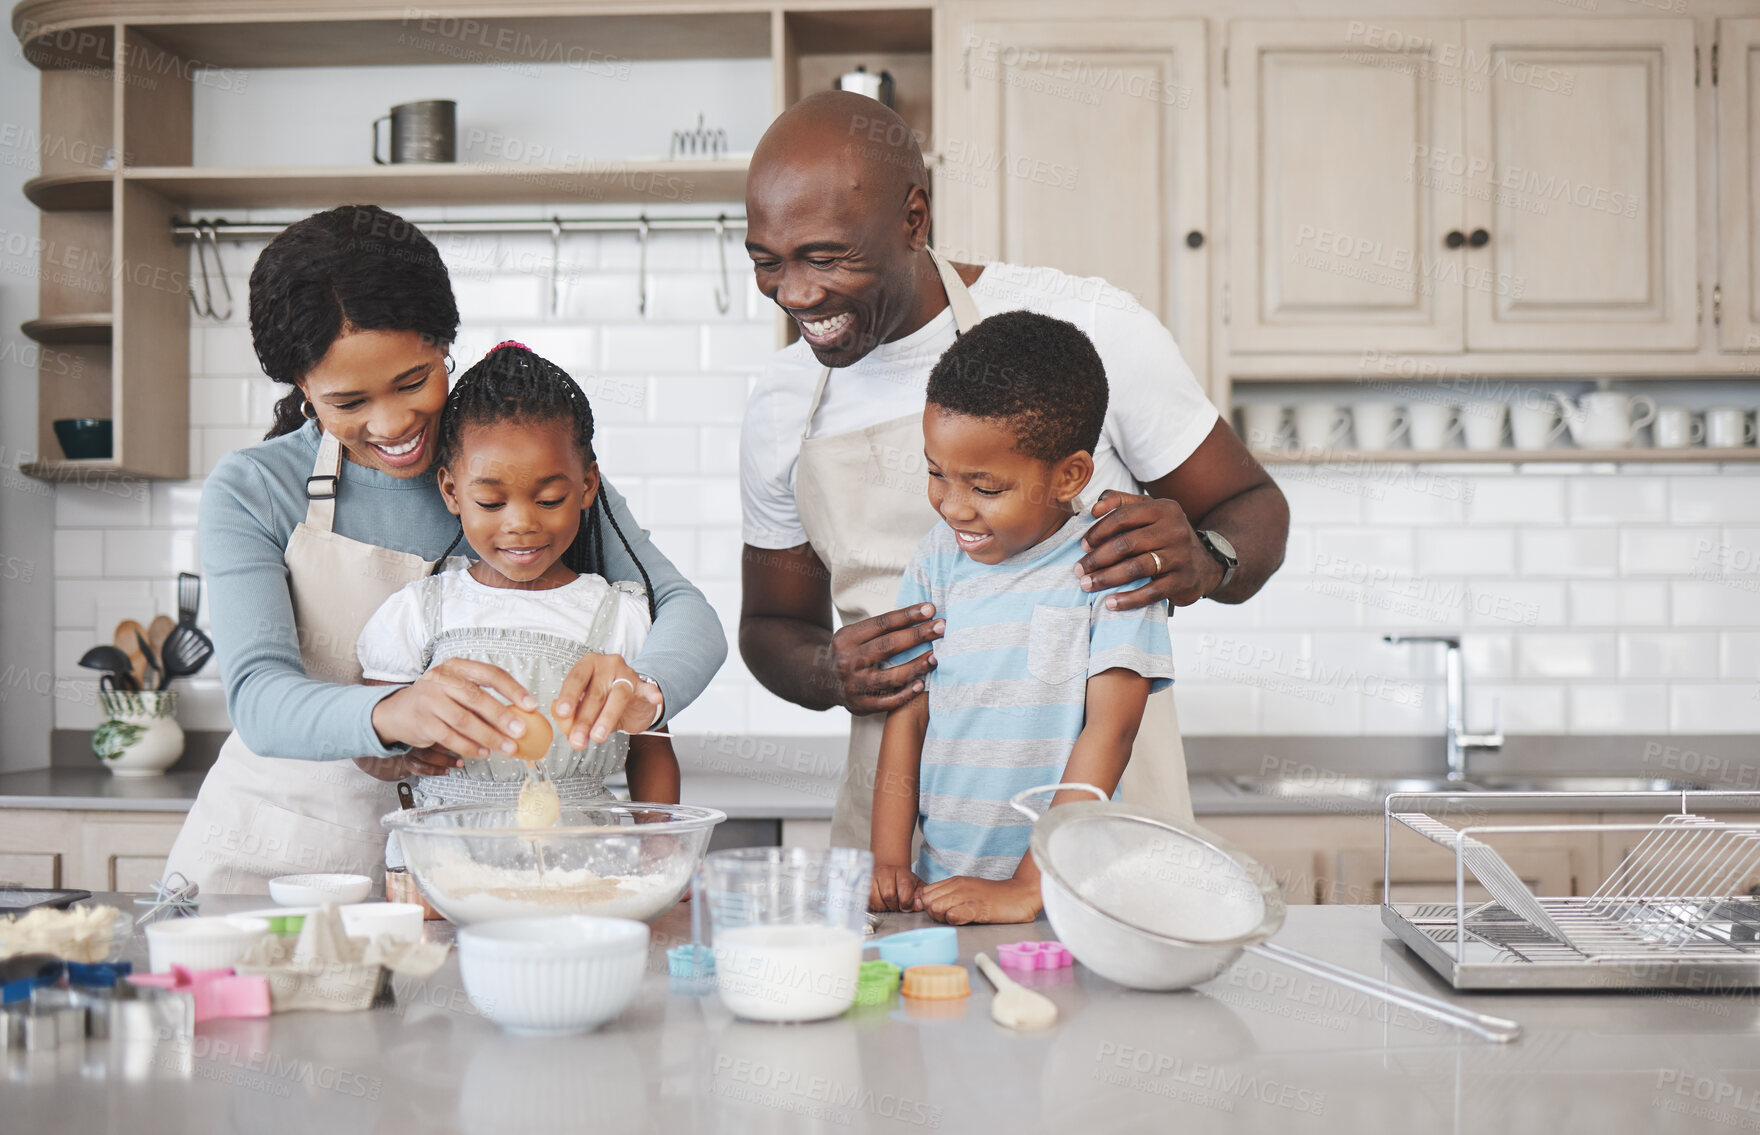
<point x="259" y="817"/>
<point x="863" y="498"/>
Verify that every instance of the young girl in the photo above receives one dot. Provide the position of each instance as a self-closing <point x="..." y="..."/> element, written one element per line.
<point x="516" y="465"/>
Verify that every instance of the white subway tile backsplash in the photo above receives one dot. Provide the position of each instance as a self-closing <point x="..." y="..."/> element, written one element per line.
<point x="738" y="347"/>
<point x="630" y="450"/>
<point x="1508" y="604"/>
<point x="1600" y="710"/>
<point x="1529" y="707"/>
<point x="1707" y="708"/>
<point x="1714" y="602"/>
<point x="1590" y="599"/>
<point x="1466" y="551"/>
<point x="1708" y="500"/>
<point x="1517" y="500"/>
<point x="118" y="504"/>
<point x="1664" y="551"/>
<point x="1618" y="500"/>
<point x="149" y="553"/>
<point x="1668" y="654"/>
<point x="700" y="399"/>
<point x="1316" y="500"/>
<point x="1740" y="655"/>
<point x="1566" y="656"/>
<point x="651" y="348"/>
<point x="1640" y="603"/>
<point x="79" y="553"/>
<point x="1568" y="552"/>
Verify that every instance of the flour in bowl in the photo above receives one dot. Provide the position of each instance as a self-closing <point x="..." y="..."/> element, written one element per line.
<point x="467" y="891"/>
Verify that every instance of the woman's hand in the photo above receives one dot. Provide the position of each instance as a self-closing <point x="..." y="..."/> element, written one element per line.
<point x="449" y="708"/>
<point x="416" y="762"/>
<point x="602" y="694"/>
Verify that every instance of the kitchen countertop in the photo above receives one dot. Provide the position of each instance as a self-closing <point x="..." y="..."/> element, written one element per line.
<point x="1260" y="1048"/>
<point x="758" y="794"/>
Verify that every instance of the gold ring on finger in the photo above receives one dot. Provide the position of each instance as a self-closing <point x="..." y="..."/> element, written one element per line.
<point x="1154" y="556"/>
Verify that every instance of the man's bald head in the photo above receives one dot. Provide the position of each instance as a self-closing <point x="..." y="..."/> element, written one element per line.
<point x="844" y="142"/>
<point x="837" y="221"/>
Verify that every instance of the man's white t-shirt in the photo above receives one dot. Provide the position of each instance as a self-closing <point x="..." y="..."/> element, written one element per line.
<point x="1156" y="413"/>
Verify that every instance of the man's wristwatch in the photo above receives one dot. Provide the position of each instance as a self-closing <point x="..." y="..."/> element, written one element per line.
<point x="1217" y="545"/>
<point x="660" y="710"/>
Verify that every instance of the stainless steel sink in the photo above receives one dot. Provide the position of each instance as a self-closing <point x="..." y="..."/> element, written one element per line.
<point x="1336" y="787"/>
<point x="1378" y="788"/>
<point x="1584" y="784"/>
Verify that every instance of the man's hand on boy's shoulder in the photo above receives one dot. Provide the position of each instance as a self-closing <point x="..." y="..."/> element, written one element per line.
<point x="962" y="899"/>
<point x="894" y="888"/>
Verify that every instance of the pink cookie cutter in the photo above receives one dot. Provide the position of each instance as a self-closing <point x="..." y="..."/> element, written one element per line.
<point x="217" y="993"/>
<point x="1034" y="955"/>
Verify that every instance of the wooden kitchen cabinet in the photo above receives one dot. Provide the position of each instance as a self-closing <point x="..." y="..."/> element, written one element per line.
<point x="1736" y="298"/>
<point x="93" y="850"/>
<point x="1336" y="859"/>
<point x="1477" y="185"/>
<point x="1042" y="115"/>
<point x="1334" y="243"/>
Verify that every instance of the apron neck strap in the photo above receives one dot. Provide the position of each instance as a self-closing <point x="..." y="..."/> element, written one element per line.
<point x="965" y="317"/>
<point x="321" y="486"/>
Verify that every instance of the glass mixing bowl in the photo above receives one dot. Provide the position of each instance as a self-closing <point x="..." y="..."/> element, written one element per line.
<point x="474" y="864"/>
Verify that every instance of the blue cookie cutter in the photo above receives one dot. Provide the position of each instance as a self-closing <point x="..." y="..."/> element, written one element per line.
<point x="930" y="946"/>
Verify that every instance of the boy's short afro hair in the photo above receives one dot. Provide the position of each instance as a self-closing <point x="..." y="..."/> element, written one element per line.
<point x="1040" y="375"/>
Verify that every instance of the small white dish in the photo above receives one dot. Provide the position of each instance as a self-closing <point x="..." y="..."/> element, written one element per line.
<point x="553" y="976"/>
<point x="202" y="943"/>
<point x="383" y="920"/>
<point x="316" y="890"/>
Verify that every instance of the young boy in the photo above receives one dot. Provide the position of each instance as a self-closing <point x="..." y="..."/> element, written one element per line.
<point x="1036" y="681"/>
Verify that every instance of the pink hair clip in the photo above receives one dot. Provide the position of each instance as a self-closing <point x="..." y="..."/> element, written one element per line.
<point x="507" y="343"/>
<point x="1034" y="955"/>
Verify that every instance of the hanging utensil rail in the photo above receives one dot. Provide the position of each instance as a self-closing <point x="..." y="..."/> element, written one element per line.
<point x="221" y="229"/>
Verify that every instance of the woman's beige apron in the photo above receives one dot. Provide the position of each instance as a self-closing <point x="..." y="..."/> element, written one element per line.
<point x="259" y="817"/>
<point x="863" y="498"/>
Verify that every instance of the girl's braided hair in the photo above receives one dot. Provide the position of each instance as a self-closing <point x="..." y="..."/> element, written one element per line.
<point x="512" y="383"/>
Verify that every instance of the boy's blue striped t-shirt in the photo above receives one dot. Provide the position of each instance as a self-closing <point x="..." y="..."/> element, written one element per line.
<point x="1007" y="698"/>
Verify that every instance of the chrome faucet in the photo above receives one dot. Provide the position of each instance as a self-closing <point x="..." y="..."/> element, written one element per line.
<point x="1459" y="740"/>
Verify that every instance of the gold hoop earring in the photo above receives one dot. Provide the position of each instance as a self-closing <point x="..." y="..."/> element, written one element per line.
<point x="309" y="411"/>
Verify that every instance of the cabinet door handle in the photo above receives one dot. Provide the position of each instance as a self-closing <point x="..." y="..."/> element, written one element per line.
<point x="1194" y="239"/>
<point x="1479" y="239"/>
<point x="1454" y="239"/>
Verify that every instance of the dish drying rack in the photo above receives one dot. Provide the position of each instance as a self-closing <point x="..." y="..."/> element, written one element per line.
<point x="1671" y="916"/>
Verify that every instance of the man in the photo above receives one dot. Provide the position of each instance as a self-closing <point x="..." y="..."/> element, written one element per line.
<point x="833" y="485"/>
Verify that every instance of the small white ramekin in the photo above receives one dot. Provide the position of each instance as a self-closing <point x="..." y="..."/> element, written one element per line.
<point x="202" y="943"/>
<point x="553" y="976"/>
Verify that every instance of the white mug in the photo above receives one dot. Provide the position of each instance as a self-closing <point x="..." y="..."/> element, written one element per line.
<point x="1433" y="424"/>
<point x="1534" y="425"/>
<point x="1377" y="424"/>
<point x="1263" y="423"/>
<point x="1482" y="424"/>
<point x="1728" y="427"/>
<point x="1320" y="425"/>
<point x="1677" y="427"/>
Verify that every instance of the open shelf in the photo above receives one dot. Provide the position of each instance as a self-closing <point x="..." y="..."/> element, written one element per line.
<point x="1692" y="455"/>
<point x="66" y="330"/>
<point x="92" y="469"/>
<point x="656" y="182"/>
<point x="71" y="192"/>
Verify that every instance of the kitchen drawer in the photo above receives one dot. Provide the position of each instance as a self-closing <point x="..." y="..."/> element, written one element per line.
<point x="30" y="869"/>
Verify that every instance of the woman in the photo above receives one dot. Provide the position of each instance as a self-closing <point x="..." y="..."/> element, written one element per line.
<point x="305" y="534"/>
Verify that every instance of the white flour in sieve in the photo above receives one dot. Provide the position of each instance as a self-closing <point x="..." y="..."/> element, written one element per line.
<point x="477" y="892"/>
<point x="1144" y="888"/>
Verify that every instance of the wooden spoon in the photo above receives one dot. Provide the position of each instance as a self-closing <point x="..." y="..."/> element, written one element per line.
<point x="157" y="632"/>
<point x="129" y="636"/>
<point x="1015" y="1006"/>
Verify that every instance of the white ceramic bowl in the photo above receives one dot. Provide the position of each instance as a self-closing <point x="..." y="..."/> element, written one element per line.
<point x="553" y="976"/>
<point x="383" y="920"/>
<point x="202" y="943"/>
<point x="316" y="890"/>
